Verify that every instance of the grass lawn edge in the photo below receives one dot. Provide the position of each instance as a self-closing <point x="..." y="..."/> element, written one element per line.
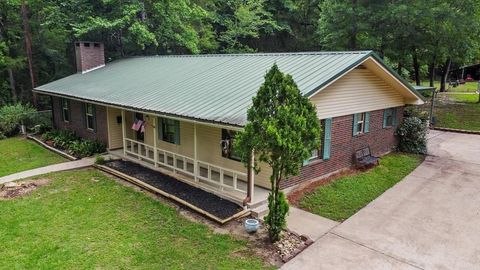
<point x="345" y="194"/>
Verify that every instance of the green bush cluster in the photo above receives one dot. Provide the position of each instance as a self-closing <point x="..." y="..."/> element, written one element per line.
<point x="412" y="135"/>
<point x="67" y="140"/>
<point x="12" y="116"/>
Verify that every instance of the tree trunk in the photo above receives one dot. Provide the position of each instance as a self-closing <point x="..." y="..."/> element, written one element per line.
<point x="431" y="74"/>
<point x="416" y="68"/>
<point x="28" y="47"/>
<point x="446" y="71"/>
<point x="12" y="85"/>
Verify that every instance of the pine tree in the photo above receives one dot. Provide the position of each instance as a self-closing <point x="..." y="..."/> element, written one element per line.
<point x="282" y="131"/>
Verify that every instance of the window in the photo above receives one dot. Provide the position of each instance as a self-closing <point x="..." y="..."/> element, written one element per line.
<point x="389" y="117"/>
<point x="228" y="151"/>
<point x="316" y="153"/>
<point x="65" y="104"/>
<point x="90" y="116"/>
<point x="169" y="130"/>
<point x="361" y="123"/>
<point x="326" y="137"/>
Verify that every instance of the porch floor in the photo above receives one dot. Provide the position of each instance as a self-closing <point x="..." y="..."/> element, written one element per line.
<point x="260" y="194"/>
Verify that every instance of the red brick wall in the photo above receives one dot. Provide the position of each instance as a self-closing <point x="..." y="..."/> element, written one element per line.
<point x="89" y="57"/>
<point x="77" y="121"/>
<point x="344" y="144"/>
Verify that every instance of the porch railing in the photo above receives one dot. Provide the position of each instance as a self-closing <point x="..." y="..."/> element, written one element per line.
<point x="224" y="178"/>
<point x="176" y="162"/>
<point x="200" y="171"/>
<point x="140" y="150"/>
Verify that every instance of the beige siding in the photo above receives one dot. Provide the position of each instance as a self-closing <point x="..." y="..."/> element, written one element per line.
<point x="208" y="143"/>
<point x="358" y="91"/>
<point x="186" y="141"/>
<point x="114" y="129"/>
<point x="209" y="150"/>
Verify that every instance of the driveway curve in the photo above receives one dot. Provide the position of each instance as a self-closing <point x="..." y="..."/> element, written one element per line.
<point x="429" y="220"/>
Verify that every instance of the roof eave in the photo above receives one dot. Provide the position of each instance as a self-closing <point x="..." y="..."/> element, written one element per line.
<point x="157" y="113"/>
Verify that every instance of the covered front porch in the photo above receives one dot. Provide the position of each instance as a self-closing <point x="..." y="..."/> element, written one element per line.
<point x="191" y="153"/>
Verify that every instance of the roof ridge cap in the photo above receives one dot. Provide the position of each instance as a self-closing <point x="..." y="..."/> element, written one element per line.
<point x="365" y="52"/>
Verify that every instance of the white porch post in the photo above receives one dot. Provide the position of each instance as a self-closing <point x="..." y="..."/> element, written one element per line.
<point x="124" y="133"/>
<point x="251" y="177"/>
<point x="155" y="137"/>
<point x="195" y="165"/>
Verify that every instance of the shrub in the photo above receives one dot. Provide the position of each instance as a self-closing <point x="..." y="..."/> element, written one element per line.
<point x="100" y="160"/>
<point x="413" y="135"/>
<point x="41" y="129"/>
<point x="85" y="148"/>
<point x="276" y="219"/>
<point x="50" y="135"/>
<point x="64" y="138"/>
<point x="11" y="116"/>
<point x="67" y="140"/>
<point x="2" y="137"/>
<point x="413" y="111"/>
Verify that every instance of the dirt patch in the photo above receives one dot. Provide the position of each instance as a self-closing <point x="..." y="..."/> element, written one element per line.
<point x="13" y="190"/>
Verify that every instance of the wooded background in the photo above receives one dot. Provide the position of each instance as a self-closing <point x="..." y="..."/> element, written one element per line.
<point x="420" y="39"/>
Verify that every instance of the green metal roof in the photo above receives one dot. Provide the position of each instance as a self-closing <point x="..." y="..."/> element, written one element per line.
<point x="213" y="88"/>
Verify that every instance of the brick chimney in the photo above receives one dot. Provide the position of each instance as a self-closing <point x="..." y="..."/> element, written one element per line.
<point x="89" y="56"/>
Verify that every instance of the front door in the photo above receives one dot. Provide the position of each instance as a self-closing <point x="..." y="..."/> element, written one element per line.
<point x="139" y="135"/>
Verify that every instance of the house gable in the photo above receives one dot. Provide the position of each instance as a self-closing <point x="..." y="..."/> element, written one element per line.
<point x="359" y="90"/>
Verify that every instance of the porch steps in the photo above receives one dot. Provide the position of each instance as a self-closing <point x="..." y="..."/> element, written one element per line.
<point x="260" y="210"/>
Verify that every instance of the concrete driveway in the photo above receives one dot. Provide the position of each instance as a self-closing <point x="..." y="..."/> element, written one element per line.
<point x="430" y="220"/>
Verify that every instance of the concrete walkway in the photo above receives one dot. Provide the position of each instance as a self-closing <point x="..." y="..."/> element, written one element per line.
<point x="77" y="164"/>
<point x="306" y="223"/>
<point x="429" y="220"/>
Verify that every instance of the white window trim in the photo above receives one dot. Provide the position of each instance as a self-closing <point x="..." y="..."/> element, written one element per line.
<point x="361" y="121"/>
<point x="67" y="109"/>
<point x="391" y="113"/>
<point x="89" y="114"/>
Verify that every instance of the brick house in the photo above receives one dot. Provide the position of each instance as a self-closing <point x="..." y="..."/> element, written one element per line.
<point x="189" y="108"/>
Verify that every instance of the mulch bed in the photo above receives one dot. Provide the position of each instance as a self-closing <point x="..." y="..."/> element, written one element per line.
<point x="206" y="201"/>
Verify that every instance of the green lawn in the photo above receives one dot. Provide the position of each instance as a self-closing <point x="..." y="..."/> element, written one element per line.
<point x="467" y="87"/>
<point x="85" y="220"/>
<point x="18" y="154"/>
<point x="343" y="197"/>
<point x="465" y="114"/>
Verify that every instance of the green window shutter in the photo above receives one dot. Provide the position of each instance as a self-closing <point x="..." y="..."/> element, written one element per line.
<point x="367" y="122"/>
<point x="355" y="127"/>
<point x="177" y="132"/>
<point x="394" y="117"/>
<point x="160" y="128"/>
<point x="327" y="141"/>
<point x="385" y="113"/>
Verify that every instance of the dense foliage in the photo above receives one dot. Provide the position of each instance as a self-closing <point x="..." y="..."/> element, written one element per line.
<point x="418" y="38"/>
<point x="67" y="140"/>
<point x="412" y="134"/>
<point x="12" y="116"/>
<point x="282" y="131"/>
